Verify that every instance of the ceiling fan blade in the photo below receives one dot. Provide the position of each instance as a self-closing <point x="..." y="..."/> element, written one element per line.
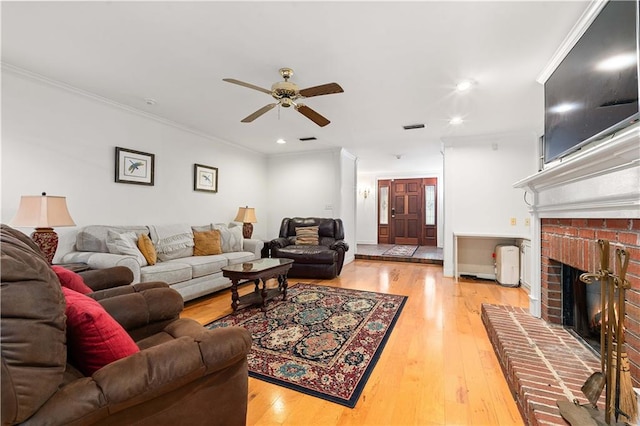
<point x="249" y="85"/>
<point x="324" y="89"/>
<point x="258" y="113"/>
<point x="312" y="115"/>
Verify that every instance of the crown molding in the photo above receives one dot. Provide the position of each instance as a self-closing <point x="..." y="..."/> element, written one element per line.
<point x="587" y="17"/>
<point x="69" y="88"/>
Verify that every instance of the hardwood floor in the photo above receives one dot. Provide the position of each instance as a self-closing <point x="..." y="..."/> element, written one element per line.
<point x="438" y="367"/>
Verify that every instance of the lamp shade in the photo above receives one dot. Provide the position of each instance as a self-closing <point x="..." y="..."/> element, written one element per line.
<point x="42" y="211"/>
<point x="246" y="215"/>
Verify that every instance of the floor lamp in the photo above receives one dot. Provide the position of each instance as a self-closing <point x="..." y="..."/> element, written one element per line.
<point x="43" y="213"/>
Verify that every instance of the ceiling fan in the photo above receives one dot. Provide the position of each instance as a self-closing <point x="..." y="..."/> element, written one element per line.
<point x="286" y="93"/>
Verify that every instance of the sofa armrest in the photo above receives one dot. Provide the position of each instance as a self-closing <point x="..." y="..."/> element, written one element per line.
<point x="340" y="245"/>
<point x="126" y="289"/>
<point x="279" y="242"/>
<point x="100" y="279"/>
<point x="97" y="260"/>
<point x="253" y="246"/>
<point x="140" y="310"/>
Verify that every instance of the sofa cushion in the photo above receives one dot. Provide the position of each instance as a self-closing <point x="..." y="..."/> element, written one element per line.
<point x="169" y="272"/>
<point x="206" y="243"/>
<point x="307" y="236"/>
<point x="231" y="237"/>
<point x="71" y="280"/>
<point x="203" y="265"/>
<point x="95" y="339"/>
<point x="308" y="254"/>
<point x="146" y="247"/>
<point x="94" y="237"/>
<point x="125" y="243"/>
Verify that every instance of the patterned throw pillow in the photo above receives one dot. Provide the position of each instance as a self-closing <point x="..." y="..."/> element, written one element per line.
<point x="231" y="237"/>
<point x="207" y="243"/>
<point x="146" y="247"/>
<point x="307" y="236"/>
<point x="125" y="243"/>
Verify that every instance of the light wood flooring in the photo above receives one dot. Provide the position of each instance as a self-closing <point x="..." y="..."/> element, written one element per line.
<point x="438" y="367"/>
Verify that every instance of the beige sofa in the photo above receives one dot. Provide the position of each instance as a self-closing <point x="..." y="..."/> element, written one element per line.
<point x="192" y="276"/>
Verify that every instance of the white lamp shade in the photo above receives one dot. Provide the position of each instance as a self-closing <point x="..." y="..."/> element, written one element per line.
<point x="42" y="211"/>
<point x="246" y="215"/>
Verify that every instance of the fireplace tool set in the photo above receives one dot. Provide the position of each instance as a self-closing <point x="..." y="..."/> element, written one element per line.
<point x="614" y="376"/>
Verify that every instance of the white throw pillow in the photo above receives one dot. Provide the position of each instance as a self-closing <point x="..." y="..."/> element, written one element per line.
<point x="230" y="238"/>
<point x="125" y="243"/>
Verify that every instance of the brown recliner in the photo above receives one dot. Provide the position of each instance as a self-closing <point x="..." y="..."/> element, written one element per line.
<point x="184" y="374"/>
<point x="323" y="260"/>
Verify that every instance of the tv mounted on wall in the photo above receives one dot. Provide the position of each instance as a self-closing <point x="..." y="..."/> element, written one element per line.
<point x="593" y="93"/>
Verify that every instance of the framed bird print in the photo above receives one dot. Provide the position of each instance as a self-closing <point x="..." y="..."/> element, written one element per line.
<point x="134" y="167"/>
<point x="205" y="178"/>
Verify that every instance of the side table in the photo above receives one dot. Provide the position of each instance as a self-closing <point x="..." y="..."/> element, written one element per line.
<point x="74" y="267"/>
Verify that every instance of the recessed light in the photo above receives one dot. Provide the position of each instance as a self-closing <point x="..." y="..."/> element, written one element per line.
<point x="456" y="120"/>
<point x="281" y="141"/>
<point x="464" y="85"/>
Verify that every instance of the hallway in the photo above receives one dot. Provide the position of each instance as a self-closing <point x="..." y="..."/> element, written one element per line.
<point x="424" y="254"/>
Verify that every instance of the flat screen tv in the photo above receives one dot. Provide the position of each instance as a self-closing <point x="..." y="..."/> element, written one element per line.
<point x="594" y="91"/>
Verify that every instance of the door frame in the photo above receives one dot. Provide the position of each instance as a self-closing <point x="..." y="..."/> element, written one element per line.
<point x="386" y="232"/>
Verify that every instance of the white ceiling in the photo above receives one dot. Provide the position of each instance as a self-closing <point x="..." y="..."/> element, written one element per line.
<point x="398" y="63"/>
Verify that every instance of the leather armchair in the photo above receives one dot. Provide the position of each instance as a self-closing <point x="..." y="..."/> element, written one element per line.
<point x="183" y="374"/>
<point x="324" y="260"/>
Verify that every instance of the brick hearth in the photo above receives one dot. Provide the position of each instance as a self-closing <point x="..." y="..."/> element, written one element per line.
<point x="542" y="362"/>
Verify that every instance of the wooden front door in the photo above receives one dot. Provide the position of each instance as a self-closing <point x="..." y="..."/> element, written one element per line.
<point x="407" y="211"/>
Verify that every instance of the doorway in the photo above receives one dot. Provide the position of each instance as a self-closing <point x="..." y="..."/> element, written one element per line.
<point x="407" y="211"/>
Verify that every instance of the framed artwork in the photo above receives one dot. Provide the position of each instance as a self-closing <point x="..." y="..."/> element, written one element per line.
<point x="134" y="167"/>
<point x="205" y="178"/>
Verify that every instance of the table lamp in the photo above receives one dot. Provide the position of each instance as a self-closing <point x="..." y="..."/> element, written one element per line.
<point x="43" y="213"/>
<point x="246" y="215"/>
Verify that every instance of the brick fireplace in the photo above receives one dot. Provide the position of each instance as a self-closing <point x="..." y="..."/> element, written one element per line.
<point x="593" y="195"/>
<point x="573" y="242"/>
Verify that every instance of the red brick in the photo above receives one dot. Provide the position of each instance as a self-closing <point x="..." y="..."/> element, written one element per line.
<point x="618" y="223"/>
<point x="629" y="238"/>
<point x="611" y="236"/>
<point x="595" y="223"/>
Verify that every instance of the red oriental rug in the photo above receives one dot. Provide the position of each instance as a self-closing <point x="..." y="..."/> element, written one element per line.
<point x="322" y="341"/>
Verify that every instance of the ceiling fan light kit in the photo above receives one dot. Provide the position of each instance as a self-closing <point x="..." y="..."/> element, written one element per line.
<point x="286" y="93"/>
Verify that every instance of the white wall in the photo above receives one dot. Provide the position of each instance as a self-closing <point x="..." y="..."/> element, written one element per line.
<point x="479" y="197"/>
<point x="63" y="142"/>
<point x="312" y="184"/>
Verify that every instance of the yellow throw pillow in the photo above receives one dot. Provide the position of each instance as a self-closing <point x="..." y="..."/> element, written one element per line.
<point x="207" y="243"/>
<point x="307" y="236"/>
<point x="145" y="245"/>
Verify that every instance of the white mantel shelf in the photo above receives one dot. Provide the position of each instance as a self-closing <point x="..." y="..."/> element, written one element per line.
<point x="602" y="181"/>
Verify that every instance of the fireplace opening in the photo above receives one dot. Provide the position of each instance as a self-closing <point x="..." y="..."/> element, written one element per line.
<point x="581" y="306"/>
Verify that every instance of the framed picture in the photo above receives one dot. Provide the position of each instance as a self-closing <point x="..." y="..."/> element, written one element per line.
<point x="205" y="178"/>
<point x="134" y="167"/>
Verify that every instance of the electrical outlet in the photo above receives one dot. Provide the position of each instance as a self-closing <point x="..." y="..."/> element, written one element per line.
<point x="513" y="221"/>
<point x="527" y="221"/>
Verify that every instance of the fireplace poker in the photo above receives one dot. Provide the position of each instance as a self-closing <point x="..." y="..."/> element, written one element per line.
<point x="593" y="386"/>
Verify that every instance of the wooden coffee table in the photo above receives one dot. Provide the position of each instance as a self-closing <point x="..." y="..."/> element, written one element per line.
<point x="257" y="271"/>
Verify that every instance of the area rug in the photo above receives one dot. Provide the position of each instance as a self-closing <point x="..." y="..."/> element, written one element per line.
<point x="404" y="251"/>
<point x="322" y="341"/>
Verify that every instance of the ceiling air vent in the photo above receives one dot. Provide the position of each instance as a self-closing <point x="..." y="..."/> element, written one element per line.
<point x="413" y="126"/>
<point x="312" y="138"/>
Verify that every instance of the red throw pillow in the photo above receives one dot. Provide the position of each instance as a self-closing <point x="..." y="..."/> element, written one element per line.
<point x="71" y="280"/>
<point x="94" y="338"/>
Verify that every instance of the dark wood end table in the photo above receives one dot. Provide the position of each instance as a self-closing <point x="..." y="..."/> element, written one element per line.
<point x="261" y="270"/>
